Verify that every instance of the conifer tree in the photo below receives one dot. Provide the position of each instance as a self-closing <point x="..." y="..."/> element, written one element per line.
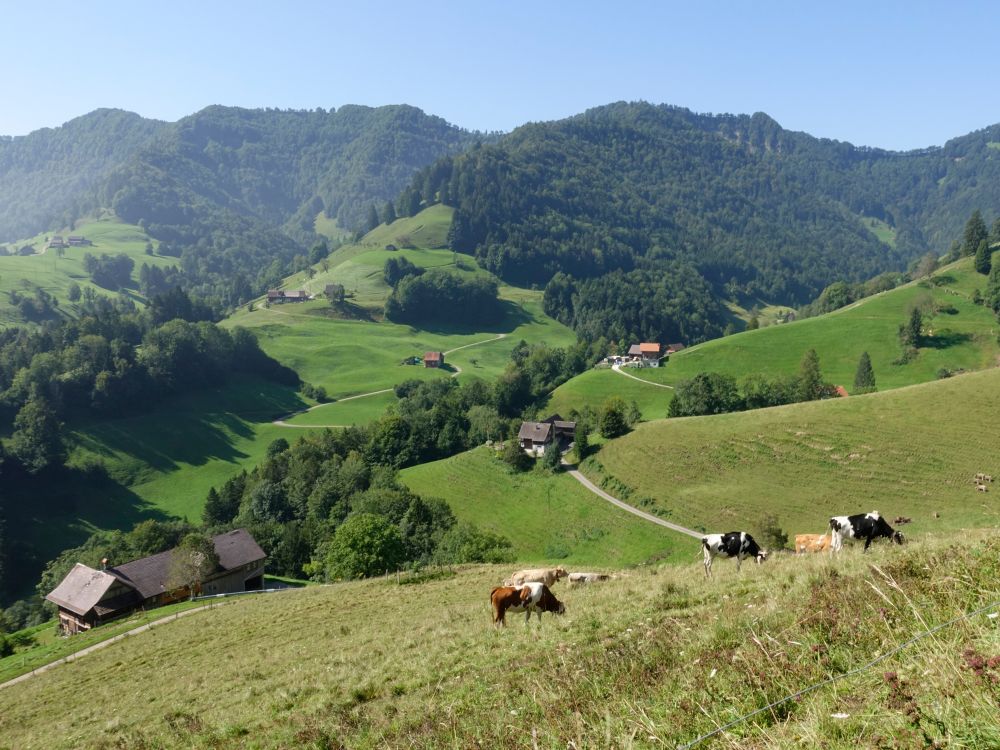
<point x="389" y="213"/>
<point x="983" y="260"/>
<point x="810" y="377"/>
<point x="975" y="232"/>
<point x="373" y="220"/>
<point x="864" y="378"/>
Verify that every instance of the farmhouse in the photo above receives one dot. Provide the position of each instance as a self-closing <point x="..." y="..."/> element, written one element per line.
<point x="281" y="296"/>
<point x="434" y="359"/>
<point x="674" y="348"/>
<point x="56" y="241"/>
<point x="535" y="437"/>
<point x="77" y="240"/>
<point x="88" y="597"/>
<point x="649" y="354"/>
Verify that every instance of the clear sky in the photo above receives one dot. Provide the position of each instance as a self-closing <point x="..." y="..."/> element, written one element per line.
<point x="896" y="75"/>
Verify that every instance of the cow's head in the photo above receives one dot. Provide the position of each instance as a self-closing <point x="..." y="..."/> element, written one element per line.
<point x="761" y="556"/>
<point x="561" y="572"/>
<point x="897" y="537"/>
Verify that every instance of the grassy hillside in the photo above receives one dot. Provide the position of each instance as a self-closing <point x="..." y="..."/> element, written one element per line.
<point x="959" y="335"/>
<point x="549" y="518"/>
<point x="54" y="274"/>
<point x="653" y="659"/>
<point x="910" y="452"/>
<point x="351" y="356"/>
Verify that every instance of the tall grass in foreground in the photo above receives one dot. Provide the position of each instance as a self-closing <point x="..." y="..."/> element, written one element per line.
<point x="653" y="659"/>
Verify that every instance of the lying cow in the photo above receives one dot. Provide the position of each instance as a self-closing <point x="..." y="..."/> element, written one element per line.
<point x="548" y="576"/>
<point x="738" y="544"/>
<point x="531" y="597"/>
<point x="867" y="526"/>
<point x="811" y="542"/>
<point x="588" y="577"/>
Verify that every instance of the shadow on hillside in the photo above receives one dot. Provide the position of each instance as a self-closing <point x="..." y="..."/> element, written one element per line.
<point x="513" y="316"/>
<point x="62" y="513"/>
<point x="945" y="339"/>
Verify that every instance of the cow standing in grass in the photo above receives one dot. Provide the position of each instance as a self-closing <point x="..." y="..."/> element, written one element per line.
<point x="738" y="544"/>
<point x="867" y="526"/>
<point x="531" y="597"/>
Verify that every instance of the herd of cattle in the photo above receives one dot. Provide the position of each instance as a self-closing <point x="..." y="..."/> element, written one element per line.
<point x="529" y="591"/>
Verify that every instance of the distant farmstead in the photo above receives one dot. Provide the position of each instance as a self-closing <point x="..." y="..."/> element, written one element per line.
<point x="434" y="359"/>
<point x="77" y="240"/>
<point x="87" y="597"/>
<point x="281" y="296"/>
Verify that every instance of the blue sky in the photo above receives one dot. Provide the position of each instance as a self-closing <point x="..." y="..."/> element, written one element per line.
<point x="889" y="74"/>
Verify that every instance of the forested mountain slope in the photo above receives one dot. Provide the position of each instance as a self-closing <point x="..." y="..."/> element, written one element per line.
<point x="47" y="178"/>
<point x="641" y="196"/>
<point x="235" y="192"/>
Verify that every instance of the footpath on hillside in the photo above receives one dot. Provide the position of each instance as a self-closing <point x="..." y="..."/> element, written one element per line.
<point x="575" y="473"/>
<point x="620" y="371"/>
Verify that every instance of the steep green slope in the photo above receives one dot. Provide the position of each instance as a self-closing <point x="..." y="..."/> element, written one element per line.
<point x="653" y="659"/>
<point x="549" y="518"/>
<point x="54" y="273"/>
<point x="911" y="452"/>
<point x="49" y="178"/>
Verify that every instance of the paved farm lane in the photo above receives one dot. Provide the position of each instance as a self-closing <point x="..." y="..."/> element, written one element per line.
<point x="635" y="511"/>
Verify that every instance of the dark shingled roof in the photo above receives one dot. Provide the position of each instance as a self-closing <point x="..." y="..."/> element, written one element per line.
<point x="537" y="432"/>
<point x="82" y="589"/>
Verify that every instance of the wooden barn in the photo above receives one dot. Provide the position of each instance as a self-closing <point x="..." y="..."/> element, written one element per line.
<point x="434" y="359"/>
<point x="87" y="597"/>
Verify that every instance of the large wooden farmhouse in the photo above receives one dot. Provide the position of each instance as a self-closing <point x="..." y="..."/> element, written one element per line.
<point x="88" y="597"/>
<point x="434" y="359"/>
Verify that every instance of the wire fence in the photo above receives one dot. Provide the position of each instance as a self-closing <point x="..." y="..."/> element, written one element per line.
<point x="836" y="678"/>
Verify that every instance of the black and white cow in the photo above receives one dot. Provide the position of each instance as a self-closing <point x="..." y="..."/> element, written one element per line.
<point x="867" y="526"/>
<point x="738" y="544"/>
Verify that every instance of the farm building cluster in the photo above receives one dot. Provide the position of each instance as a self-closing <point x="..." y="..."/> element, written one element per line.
<point x="74" y="240"/>
<point x="87" y="597"/>
<point x="645" y="354"/>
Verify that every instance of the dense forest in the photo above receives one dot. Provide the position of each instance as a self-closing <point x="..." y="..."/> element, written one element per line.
<point x="640" y="196"/>
<point x="49" y="178"/>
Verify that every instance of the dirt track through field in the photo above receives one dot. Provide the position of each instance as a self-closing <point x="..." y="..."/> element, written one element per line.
<point x="626" y="507"/>
<point x="620" y="371"/>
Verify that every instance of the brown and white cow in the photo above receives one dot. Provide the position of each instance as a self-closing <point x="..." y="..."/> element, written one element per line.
<point x="811" y="543"/>
<point x="548" y="576"/>
<point x="531" y="597"/>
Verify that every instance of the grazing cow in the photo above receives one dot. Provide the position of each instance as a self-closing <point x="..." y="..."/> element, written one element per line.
<point x="865" y="526"/>
<point x="548" y="576"/>
<point x="811" y="543"/>
<point x="588" y="577"/>
<point x="531" y="597"/>
<point x="987" y="477"/>
<point x="981" y="487"/>
<point x="738" y="544"/>
<point x="900" y="520"/>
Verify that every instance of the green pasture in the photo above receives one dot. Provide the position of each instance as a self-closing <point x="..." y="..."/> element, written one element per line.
<point x="349" y="357"/>
<point x="170" y="457"/>
<point x="655" y="658"/>
<point x="964" y="337"/>
<point x="880" y="229"/>
<point x="911" y="452"/>
<point x="345" y="413"/>
<point x="429" y="229"/>
<point x="594" y="387"/>
<point x="549" y="518"/>
<point x="328" y="227"/>
<point x="54" y="274"/>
